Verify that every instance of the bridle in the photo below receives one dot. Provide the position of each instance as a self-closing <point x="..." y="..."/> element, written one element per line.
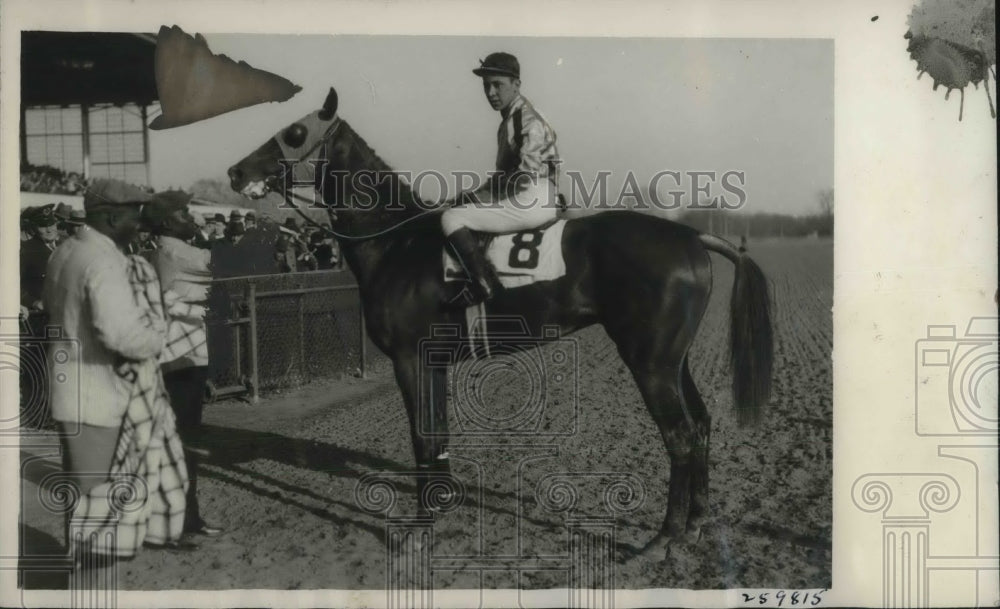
<point x="270" y="184"/>
<point x="272" y="181"/>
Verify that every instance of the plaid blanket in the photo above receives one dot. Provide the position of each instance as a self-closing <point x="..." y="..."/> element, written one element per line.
<point x="187" y="341"/>
<point x="185" y="276"/>
<point x="144" y="497"/>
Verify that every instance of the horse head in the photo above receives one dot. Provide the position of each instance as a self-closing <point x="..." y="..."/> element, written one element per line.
<point x="361" y="193"/>
<point x="283" y="160"/>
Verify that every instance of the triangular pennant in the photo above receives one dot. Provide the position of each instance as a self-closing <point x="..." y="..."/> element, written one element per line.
<point x="195" y="84"/>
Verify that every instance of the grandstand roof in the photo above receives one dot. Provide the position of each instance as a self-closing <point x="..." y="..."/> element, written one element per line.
<point x="69" y="68"/>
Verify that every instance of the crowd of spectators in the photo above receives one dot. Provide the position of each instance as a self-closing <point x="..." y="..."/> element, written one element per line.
<point x="292" y="246"/>
<point x="48" y="179"/>
<point x="248" y="245"/>
<point x="243" y="244"/>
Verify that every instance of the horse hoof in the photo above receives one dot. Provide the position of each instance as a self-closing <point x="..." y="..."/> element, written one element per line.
<point x="658" y="549"/>
<point x="690" y="537"/>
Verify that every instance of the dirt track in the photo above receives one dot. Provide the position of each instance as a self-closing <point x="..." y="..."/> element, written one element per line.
<point x="283" y="473"/>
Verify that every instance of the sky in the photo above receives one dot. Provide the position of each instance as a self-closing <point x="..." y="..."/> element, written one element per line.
<point x="759" y="106"/>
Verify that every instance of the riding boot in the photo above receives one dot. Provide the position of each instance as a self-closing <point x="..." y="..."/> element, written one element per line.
<point x="483" y="278"/>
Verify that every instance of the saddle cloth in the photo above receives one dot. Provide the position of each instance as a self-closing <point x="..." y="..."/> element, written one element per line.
<point x="520" y="258"/>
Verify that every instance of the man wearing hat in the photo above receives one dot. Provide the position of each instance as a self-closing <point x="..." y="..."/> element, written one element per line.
<point x="205" y="234"/>
<point x="63" y="213"/>
<point x="323" y="250"/>
<point x="220" y="226"/>
<point x="284" y="255"/>
<point x="234" y="231"/>
<point x="88" y="295"/>
<point x="77" y="218"/>
<point x="27" y="227"/>
<point x="185" y="276"/>
<point x="35" y="253"/>
<point x="521" y="194"/>
<point x="211" y="232"/>
<point x="250" y="221"/>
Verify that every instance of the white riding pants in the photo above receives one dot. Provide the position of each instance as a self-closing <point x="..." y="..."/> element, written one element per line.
<point x="532" y="207"/>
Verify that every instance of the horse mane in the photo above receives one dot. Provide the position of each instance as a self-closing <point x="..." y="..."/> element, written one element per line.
<point x="366" y="159"/>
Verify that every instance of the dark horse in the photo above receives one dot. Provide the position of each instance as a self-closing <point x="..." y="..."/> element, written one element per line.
<point x="646" y="280"/>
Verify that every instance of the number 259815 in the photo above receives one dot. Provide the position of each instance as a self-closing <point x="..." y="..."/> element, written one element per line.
<point x="785" y="598"/>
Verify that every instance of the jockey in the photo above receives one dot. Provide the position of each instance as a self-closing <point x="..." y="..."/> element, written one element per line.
<point x="522" y="193"/>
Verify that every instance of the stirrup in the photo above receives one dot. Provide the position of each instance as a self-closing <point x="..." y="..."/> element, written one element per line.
<point x="468" y="296"/>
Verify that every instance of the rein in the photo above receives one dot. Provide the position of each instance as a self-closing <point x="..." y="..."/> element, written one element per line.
<point x="288" y="196"/>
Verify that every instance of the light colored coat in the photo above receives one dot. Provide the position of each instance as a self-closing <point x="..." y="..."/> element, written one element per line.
<point x="88" y="296"/>
<point x="185" y="272"/>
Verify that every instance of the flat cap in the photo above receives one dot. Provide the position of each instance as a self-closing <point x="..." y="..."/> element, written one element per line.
<point x="44" y="216"/>
<point x="63" y="211"/>
<point x="503" y="64"/>
<point x="162" y="205"/>
<point x="107" y="192"/>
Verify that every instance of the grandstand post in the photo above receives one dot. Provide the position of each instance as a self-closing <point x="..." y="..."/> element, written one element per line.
<point x="364" y="340"/>
<point x="85" y="140"/>
<point x="23" y="137"/>
<point x="254" y="370"/>
<point x="145" y="143"/>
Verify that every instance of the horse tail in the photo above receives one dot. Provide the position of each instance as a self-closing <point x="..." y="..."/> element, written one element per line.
<point x="751" y="337"/>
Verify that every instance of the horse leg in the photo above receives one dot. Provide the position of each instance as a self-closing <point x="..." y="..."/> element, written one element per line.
<point x="653" y="336"/>
<point x="699" y="454"/>
<point x="424" y="395"/>
<point x="661" y="390"/>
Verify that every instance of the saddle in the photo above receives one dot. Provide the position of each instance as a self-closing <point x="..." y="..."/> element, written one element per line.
<point x="519" y="258"/>
<point x="484" y="239"/>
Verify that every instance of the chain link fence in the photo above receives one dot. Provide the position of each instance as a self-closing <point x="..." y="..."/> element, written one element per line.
<point x="270" y="332"/>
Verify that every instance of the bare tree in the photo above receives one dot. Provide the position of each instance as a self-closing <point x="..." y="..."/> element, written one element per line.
<point x="826" y="202"/>
<point x="826" y="211"/>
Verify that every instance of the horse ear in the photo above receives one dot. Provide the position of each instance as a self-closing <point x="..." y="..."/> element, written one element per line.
<point x="329" y="106"/>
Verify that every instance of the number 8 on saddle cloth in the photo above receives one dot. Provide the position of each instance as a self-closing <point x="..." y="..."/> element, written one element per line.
<point x="520" y="258"/>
